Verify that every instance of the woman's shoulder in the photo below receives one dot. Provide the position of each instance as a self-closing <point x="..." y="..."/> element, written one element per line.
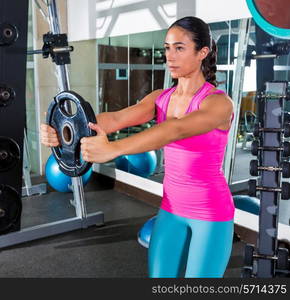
<point x="219" y="97"/>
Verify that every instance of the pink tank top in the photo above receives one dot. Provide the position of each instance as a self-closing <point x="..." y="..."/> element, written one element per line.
<point x="194" y="185"/>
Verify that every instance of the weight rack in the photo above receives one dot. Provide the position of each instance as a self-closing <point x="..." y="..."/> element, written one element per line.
<point x="272" y="150"/>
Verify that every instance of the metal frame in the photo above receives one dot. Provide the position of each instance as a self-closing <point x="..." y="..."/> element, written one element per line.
<point x="30" y="189"/>
<point x="229" y="161"/>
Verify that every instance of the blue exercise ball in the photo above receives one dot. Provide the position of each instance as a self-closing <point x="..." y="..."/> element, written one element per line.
<point x="141" y="164"/>
<point x="247" y="203"/>
<point x="144" y="233"/>
<point x="57" y="179"/>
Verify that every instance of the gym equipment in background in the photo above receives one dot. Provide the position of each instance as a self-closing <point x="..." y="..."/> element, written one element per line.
<point x="144" y="233"/>
<point x="141" y="164"/>
<point x="28" y="189"/>
<point x="58" y="180"/>
<point x="268" y="259"/>
<point x="247" y="203"/>
<point x="71" y="125"/>
<point x="13" y="47"/>
<point x="59" y="52"/>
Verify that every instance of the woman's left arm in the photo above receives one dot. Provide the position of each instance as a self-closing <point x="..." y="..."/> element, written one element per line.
<point x="214" y="111"/>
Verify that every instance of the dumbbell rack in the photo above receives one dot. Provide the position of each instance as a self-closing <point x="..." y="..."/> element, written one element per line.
<point x="268" y="260"/>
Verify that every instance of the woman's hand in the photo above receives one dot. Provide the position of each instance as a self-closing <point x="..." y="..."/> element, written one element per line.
<point x="49" y="136"/>
<point x="98" y="149"/>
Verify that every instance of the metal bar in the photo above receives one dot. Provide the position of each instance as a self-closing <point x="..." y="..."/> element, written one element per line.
<point x="237" y="95"/>
<point x="50" y="229"/>
<point x="63" y="81"/>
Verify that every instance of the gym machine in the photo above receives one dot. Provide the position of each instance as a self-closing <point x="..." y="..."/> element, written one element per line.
<point x="13" y="44"/>
<point x="13" y="36"/>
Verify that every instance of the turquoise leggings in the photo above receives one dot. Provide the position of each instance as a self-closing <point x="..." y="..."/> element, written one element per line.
<point x="182" y="247"/>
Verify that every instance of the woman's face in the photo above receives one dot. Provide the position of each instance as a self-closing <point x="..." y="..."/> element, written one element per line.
<point x="181" y="56"/>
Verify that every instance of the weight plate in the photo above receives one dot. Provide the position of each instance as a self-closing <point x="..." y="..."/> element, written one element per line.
<point x="10" y="207"/>
<point x="8" y="34"/>
<point x="9" y="153"/>
<point x="70" y="114"/>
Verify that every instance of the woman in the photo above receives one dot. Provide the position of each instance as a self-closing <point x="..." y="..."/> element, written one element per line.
<point x="194" y="227"/>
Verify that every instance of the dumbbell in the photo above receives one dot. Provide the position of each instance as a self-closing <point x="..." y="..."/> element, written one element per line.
<point x="282" y="257"/>
<point x="285" y="130"/>
<point x="285" y="190"/>
<point x="255" y="168"/>
<point x="255" y="147"/>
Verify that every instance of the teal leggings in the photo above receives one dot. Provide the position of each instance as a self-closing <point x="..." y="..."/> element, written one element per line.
<point x="182" y="247"/>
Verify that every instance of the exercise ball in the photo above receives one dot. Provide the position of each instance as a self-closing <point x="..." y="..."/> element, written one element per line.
<point x="247" y="203"/>
<point x="144" y="233"/>
<point x="141" y="164"/>
<point x="58" y="180"/>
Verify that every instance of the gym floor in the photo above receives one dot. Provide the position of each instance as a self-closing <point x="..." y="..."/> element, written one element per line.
<point x="109" y="251"/>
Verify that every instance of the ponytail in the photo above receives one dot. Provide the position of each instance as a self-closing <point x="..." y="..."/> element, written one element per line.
<point x="209" y="65"/>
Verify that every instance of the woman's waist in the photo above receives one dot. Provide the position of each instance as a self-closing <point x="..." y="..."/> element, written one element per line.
<point x="189" y="162"/>
<point x="175" y="151"/>
<point x="198" y="179"/>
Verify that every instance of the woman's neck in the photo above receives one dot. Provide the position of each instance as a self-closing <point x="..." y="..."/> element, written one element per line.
<point x="189" y="85"/>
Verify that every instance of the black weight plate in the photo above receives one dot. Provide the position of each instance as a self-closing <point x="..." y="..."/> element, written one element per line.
<point x="252" y="187"/>
<point x="8" y="34"/>
<point x="9" y="153"/>
<point x="10" y="207"/>
<point x="287" y="130"/>
<point x="285" y="193"/>
<point x="256" y="130"/>
<point x="282" y="259"/>
<point x="6" y="95"/>
<point x="246" y="273"/>
<point x="71" y="127"/>
<point x="285" y="169"/>
<point x="254" y="164"/>
<point x="286" y="149"/>
<point x="254" y="148"/>
<point x="248" y="257"/>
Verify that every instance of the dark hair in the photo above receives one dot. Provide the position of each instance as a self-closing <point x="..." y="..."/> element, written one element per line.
<point x="201" y="36"/>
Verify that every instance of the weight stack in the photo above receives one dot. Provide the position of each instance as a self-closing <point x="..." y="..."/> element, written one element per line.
<point x="13" y="51"/>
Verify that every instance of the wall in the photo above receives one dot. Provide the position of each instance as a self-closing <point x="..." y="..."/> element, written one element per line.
<point x="112" y="18"/>
<point x="101" y="18"/>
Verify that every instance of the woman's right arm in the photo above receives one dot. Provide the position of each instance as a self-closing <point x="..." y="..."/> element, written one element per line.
<point x="140" y="113"/>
